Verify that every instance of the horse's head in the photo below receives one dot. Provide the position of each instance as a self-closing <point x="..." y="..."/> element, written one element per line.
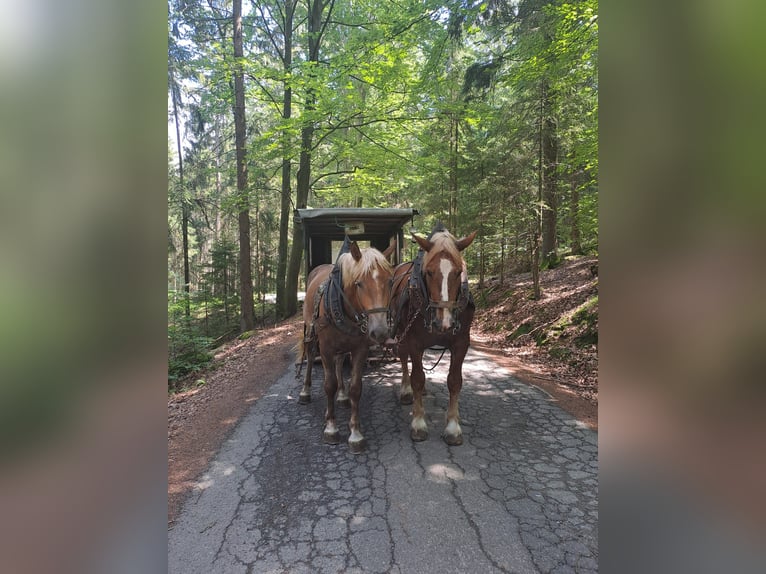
<point x="367" y="276"/>
<point x="444" y="270"/>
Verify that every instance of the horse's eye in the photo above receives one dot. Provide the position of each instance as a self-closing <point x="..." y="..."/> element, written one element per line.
<point x="430" y="273"/>
<point x="358" y="283"/>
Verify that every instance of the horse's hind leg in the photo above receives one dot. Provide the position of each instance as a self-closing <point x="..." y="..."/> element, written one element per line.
<point x="330" y="434"/>
<point x="405" y="390"/>
<point x="356" y="441"/>
<point x="342" y="399"/>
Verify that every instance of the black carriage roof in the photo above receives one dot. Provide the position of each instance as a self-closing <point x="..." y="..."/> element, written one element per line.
<point x="357" y="222"/>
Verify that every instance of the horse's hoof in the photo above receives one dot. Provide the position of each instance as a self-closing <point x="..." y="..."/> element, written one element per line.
<point x="331" y="437"/>
<point x="357" y="447"/>
<point x="345" y="403"/>
<point x="453" y="439"/>
<point x="406" y="399"/>
<point x="418" y="435"/>
<point x="304" y="399"/>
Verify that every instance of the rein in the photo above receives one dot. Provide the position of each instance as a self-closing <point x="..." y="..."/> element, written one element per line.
<point x="439" y="360"/>
<point x="331" y="291"/>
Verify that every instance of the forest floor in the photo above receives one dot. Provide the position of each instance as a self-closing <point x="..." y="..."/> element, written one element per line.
<point x="550" y="343"/>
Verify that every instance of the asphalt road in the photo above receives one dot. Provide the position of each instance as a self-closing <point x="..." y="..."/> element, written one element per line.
<point x="520" y="495"/>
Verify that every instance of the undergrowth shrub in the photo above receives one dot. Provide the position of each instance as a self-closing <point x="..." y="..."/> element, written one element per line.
<point x="188" y="352"/>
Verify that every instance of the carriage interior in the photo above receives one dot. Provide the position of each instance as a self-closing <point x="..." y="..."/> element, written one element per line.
<point x="324" y="230"/>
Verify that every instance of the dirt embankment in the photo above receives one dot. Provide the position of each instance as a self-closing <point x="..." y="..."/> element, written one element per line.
<point x="200" y="418"/>
<point x="551" y="342"/>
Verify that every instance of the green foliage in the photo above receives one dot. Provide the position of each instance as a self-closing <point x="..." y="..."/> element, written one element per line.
<point x="433" y="105"/>
<point x="522" y="329"/>
<point x="553" y="262"/>
<point x="586" y="317"/>
<point x="585" y="313"/>
<point x="481" y="297"/>
<point x="188" y="352"/>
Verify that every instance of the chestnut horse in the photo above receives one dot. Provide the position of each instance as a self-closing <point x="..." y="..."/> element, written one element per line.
<point x="345" y="311"/>
<point x="433" y="307"/>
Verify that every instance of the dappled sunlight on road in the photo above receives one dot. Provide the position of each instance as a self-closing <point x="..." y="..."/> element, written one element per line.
<point x="443" y="473"/>
<point x="523" y="486"/>
<point x="218" y="470"/>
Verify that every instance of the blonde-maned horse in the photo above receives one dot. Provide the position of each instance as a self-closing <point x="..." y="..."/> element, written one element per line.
<point x="345" y="311"/>
<point x="432" y="307"/>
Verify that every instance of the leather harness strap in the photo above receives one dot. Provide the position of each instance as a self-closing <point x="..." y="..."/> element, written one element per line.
<point x="418" y="302"/>
<point x="331" y="291"/>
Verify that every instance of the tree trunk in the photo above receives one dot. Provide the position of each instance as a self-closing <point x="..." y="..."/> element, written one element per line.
<point x="574" y="214"/>
<point x="296" y="251"/>
<point x="284" y="209"/>
<point x="245" y="274"/>
<point x="538" y="215"/>
<point x="185" y="233"/>
<point x="502" y="250"/>
<point x="175" y="95"/>
<point x="315" y="30"/>
<point x="536" y="291"/>
<point x="549" y="145"/>
<point x="453" y="148"/>
<point x="482" y="261"/>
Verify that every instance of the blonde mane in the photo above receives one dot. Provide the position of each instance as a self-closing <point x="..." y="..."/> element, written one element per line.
<point x="442" y="241"/>
<point x="353" y="270"/>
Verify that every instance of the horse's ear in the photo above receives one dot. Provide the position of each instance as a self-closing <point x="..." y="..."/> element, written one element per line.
<point x="464" y="242"/>
<point x="390" y="249"/>
<point x="356" y="253"/>
<point x="424" y="243"/>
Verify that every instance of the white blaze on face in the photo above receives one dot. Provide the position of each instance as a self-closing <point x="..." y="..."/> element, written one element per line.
<point x="445" y="266"/>
<point x="377" y="323"/>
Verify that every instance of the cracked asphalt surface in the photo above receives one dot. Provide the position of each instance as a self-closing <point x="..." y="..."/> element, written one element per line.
<point x="520" y="495"/>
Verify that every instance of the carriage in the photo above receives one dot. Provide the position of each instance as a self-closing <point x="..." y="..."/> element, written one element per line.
<point x="325" y="229"/>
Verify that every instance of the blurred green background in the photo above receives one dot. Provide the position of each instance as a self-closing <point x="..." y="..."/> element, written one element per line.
<point x="83" y="153"/>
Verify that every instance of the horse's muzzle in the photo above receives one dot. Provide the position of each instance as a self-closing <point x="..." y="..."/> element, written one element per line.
<point x="443" y="324"/>
<point x="377" y="321"/>
<point x="442" y="317"/>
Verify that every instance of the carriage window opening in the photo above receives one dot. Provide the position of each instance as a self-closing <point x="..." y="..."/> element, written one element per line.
<point x="336" y="247"/>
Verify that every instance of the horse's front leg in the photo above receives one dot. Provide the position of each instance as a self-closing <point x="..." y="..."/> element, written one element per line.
<point x="418" y="427"/>
<point x="453" y="434"/>
<point x="405" y="390"/>
<point x="330" y="434"/>
<point x="356" y="441"/>
<point x="342" y="398"/>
